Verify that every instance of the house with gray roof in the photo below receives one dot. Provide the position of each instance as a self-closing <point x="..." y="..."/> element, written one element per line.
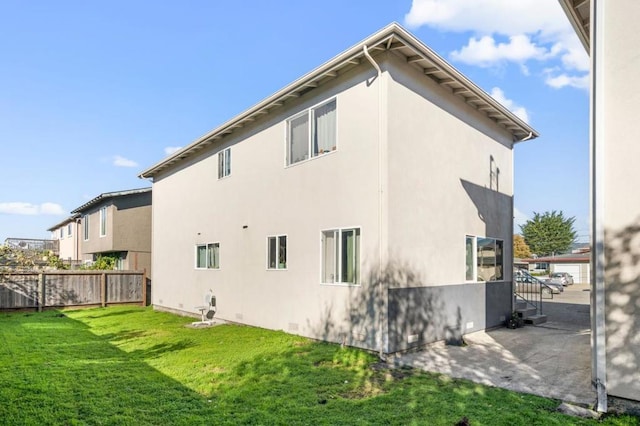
<point x="369" y="202"/>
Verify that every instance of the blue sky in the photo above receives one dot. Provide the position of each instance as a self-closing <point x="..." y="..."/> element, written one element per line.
<point x="92" y="93"/>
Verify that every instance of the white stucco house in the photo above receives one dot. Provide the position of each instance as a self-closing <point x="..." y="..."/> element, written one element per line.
<point x="368" y="202"/>
<point x="608" y="31"/>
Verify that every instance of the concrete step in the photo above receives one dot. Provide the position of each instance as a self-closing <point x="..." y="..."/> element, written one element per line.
<point x="536" y="319"/>
<point x="521" y="305"/>
<point x="525" y="313"/>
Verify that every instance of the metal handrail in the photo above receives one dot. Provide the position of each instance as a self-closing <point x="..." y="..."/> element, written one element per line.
<point x="535" y="298"/>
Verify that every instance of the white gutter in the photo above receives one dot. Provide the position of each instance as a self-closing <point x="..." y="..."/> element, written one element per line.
<point x="525" y="138"/>
<point x="381" y="144"/>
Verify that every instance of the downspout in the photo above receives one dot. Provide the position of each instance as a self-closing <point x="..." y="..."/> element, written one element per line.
<point x="597" y="143"/>
<point x="381" y="135"/>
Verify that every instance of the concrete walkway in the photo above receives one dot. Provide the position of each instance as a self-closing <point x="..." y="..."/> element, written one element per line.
<point x="551" y="360"/>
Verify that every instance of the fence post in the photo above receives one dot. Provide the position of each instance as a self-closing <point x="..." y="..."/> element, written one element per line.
<point x="144" y="287"/>
<point x="103" y="289"/>
<point x="41" y="298"/>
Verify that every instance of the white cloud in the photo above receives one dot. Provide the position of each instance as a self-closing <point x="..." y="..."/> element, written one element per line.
<point x="21" y="208"/>
<point x="519" y="111"/>
<point x="533" y="30"/>
<point x="563" y="80"/>
<point x="485" y="52"/>
<point x="123" y="162"/>
<point x="171" y="149"/>
<point x="505" y="17"/>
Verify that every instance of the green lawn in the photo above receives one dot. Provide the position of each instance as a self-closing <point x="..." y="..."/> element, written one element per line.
<point x="137" y="366"/>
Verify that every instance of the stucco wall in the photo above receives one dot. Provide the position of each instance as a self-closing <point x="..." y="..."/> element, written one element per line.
<point x="621" y="96"/>
<point x="263" y="197"/>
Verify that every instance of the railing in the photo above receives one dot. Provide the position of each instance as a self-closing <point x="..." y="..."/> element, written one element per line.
<point x="33" y="244"/>
<point x="532" y="293"/>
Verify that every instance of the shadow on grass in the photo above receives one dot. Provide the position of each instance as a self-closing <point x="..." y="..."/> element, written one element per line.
<point x="55" y="371"/>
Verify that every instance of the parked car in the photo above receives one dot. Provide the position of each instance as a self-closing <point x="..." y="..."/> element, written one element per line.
<point x="526" y="283"/>
<point x="562" y="278"/>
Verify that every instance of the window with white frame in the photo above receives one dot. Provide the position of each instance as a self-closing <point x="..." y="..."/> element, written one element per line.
<point x="103" y="221"/>
<point x="341" y="256"/>
<point x="85" y="226"/>
<point x="224" y="163"/>
<point x="208" y="256"/>
<point x="61" y="233"/>
<point x="311" y="133"/>
<point x="277" y="252"/>
<point x="484" y="259"/>
<point x="69" y="230"/>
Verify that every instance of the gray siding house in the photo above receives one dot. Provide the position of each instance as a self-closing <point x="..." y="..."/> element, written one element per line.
<point x="118" y="224"/>
<point x="608" y="31"/>
<point x="369" y="202"/>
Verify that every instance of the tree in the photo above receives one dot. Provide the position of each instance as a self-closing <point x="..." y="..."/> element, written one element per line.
<point x="520" y="248"/>
<point x="549" y="233"/>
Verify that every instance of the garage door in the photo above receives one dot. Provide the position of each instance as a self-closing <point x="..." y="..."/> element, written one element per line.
<point x="572" y="269"/>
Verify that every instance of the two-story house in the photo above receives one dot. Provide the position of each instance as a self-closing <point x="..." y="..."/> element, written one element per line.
<point x="118" y="224"/>
<point x="369" y="202"/>
<point x="69" y="239"/>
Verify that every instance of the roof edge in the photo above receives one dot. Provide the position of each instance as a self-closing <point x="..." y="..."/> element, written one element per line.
<point x="108" y="195"/>
<point x="351" y="55"/>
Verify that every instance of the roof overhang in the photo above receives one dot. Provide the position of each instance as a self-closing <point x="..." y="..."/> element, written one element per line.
<point x="391" y="38"/>
<point x="579" y="14"/>
<point x="109" y="195"/>
<point x="64" y="222"/>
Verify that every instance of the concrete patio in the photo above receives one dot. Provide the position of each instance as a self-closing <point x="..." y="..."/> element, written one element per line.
<point x="551" y="360"/>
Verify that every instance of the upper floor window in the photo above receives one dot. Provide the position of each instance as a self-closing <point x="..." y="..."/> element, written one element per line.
<point x="277" y="252"/>
<point x="484" y="259"/>
<point x="311" y="133"/>
<point x="341" y="256"/>
<point x="85" y="226"/>
<point x="208" y="256"/>
<point x="69" y="230"/>
<point x="61" y="232"/>
<point x="224" y="163"/>
<point x="103" y="221"/>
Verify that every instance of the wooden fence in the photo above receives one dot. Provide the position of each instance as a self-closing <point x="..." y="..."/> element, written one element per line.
<point x="39" y="290"/>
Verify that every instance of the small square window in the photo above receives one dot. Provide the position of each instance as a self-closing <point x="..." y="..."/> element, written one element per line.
<point x="208" y="256"/>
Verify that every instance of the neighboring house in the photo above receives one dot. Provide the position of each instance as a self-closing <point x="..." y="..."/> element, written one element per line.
<point x="576" y="264"/>
<point x="369" y="202"/>
<point x="118" y="224"/>
<point x="608" y="30"/>
<point x="69" y="239"/>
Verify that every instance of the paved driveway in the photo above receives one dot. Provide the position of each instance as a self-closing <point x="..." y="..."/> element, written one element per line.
<point x="551" y="360"/>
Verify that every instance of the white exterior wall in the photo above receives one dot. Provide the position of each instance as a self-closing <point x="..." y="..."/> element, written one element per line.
<point x="439" y="179"/>
<point x="339" y="189"/>
<point x="433" y="190"/>
<point x="618" y="96"/>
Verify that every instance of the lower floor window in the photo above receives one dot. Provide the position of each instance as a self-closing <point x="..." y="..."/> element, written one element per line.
<point x="277" y="252"/>
<point x="208" y="256"/>
<point x="484" y="259"/>
<point x="341" y="256"/>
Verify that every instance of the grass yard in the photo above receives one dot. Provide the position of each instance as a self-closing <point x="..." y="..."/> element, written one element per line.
<point x="135" y="366"/>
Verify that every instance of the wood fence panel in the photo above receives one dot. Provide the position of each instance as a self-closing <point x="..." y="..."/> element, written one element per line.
<point x="19" y="291"/>
<point x="124" y="288"/>
<point x="72" y="290"/>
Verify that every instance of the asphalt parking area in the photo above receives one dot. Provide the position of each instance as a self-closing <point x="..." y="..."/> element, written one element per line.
<point x="552" y="359"/>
